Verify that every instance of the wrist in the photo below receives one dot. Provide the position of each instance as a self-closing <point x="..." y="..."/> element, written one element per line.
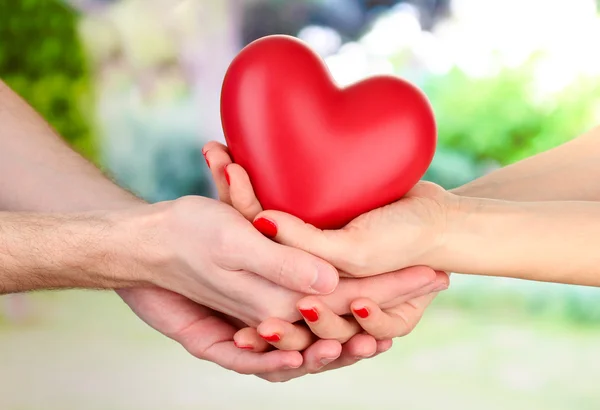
<point x="455" y="232"/>
<point x="440" y="211"/>
<point x="136" y="245"/>
<point x="480" y="234"/>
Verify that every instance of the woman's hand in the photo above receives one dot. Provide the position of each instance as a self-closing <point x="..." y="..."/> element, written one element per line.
<point x="405" y="233"/>
<point x="398" y="319"/>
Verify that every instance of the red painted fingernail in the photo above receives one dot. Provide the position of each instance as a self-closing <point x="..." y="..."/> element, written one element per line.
<point x="242" y="347"/>
<point x="310" y="314"/>
<point x="362" y="313"/>
<point x="272" y="338"/>
<point x="227" y="177"/>
<point x="266" y="227"/>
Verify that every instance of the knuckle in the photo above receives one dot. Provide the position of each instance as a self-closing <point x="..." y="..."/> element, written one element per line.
<point x="244" y="203"/>
<point x="356" y="258"/>
<point x="280" y="309"/>
<point x="325" y="332"/>
<point x="404" y="326"/>
<point x="197" y="350"/>
<point x="359" y="261"/>
<point x="381" y="332"/>
<point x="184" y="205"/>
<point x="223" y="243"/>
<point x="283" y="267"/>
<point x="289" y="275"/>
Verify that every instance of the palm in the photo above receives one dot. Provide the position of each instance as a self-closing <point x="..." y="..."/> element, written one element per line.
<point x="375" y="233"/>
<point x="201" y="331"/>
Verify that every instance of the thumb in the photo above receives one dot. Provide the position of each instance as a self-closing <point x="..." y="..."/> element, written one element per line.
<point x="289" y="267"/>
<point x="336" y="247"/>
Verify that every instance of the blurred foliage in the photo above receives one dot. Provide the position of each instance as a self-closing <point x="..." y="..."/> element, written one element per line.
<point x="502" y="119"/>
<point x="42" y="59"/>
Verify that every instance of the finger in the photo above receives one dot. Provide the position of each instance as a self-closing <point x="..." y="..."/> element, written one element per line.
<point x="395" y="322"/>
<point x="242" y="194"/>
<point x="227" y="355"/>
<point x="211" y="338"/>
<point x="217" y="159"/>
<point x="360" y="347"/>
<point x="285" y="266"/>
<point x="214" y="144"/>
<point x="324" y="323"/>
<point x="442" y="280"/>
<point x="383" y="346"/>
<point x="378" y="323"/>
<point x="284" y="335"/>
<point x="291" y="231"/>
<point x="315" y="358"/>
<point x="381" y="289"/>
<point x="440" y="283"/>
<point x="356" y="349"/>
<point x="249" y="339"/>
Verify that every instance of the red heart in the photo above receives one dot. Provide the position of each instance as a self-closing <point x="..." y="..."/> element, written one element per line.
<point x="314" y="150"/>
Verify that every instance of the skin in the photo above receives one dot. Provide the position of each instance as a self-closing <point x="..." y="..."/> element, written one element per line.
<point x="516" y="238"/>
<point x="397" y="319"/>
<point x="174" y="263"/>
<point x="561" y="174"/>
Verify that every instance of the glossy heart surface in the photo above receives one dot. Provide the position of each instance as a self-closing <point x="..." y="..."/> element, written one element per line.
<point x="323" y="153"/>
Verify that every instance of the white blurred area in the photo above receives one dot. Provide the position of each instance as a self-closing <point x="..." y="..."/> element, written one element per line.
<point x="480" y="38"/>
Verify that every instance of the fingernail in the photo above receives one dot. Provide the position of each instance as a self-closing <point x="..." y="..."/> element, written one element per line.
<point x="310" y="314"/>
<point x="227" y="177"/>
<point x="207" y="161"/>
<point x="439" y="288"/>
<point x="242" y="347"/>
<point x="363" y="357"/>
<point x="326" y="360"/>
<point x="265" y="226"/>
<point x="272" y="338"/>
<point x="362" y="312"/>
<point x="325" y="280"/>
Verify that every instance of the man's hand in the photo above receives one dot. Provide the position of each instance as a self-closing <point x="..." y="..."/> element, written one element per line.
<point x="406" y="233"/>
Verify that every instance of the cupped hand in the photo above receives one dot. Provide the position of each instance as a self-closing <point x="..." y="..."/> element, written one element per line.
<point x="406" y="233"/>
<point x="398" y="318"/>
<point x="203" y="257"/>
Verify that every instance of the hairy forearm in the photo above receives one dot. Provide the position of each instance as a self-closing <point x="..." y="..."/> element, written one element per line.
<point x="569" y="172"/>
<point x="40" y="173"/>
<point x="543" y="241"/>
<point x="51" y="251"/>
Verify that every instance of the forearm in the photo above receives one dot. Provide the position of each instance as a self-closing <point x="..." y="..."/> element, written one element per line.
<point x="569" y="172"/>
<point x="40" y="173"/>
<point x="51" y="251"/>
<point x="543" y="241"/>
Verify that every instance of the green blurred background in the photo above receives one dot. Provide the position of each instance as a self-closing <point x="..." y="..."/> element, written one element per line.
<point x="134" y="84"/>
